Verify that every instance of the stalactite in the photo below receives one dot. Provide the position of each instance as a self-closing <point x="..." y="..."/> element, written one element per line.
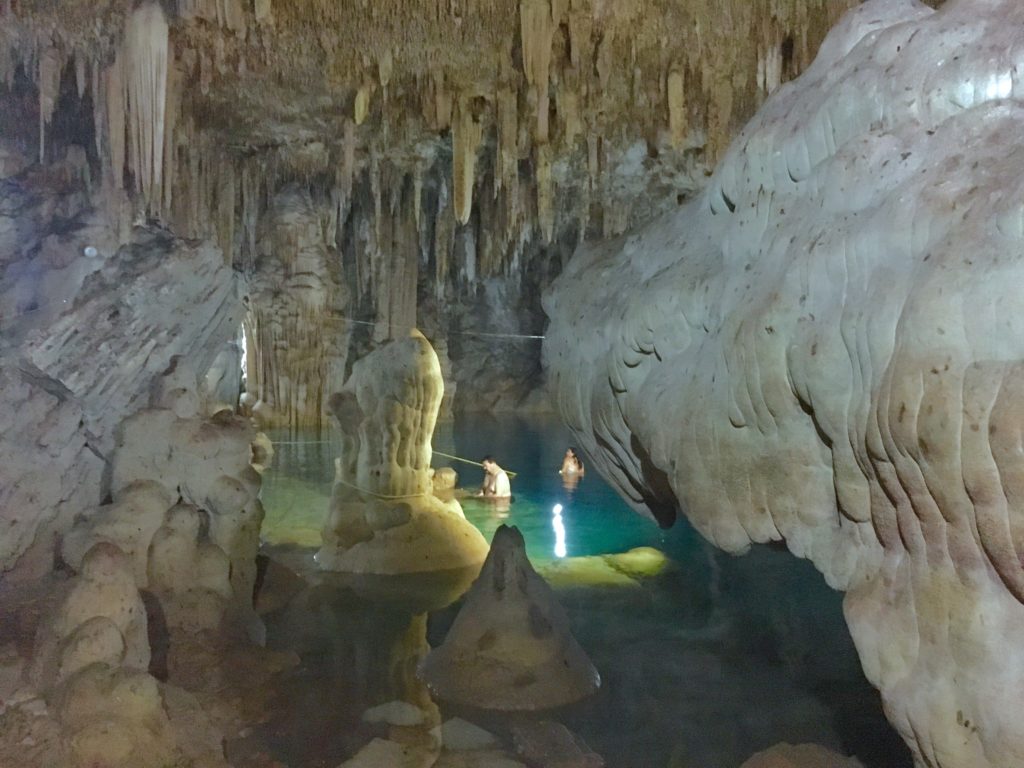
<point x="362" y="103"/>
<point x="444" y="235"/>
<point x="466" y="135"/>
<point x="81" y="74"/>
<point x="417" y="195"/>
<point x="677" y="122"/>
<point x="569" y="111"/>
<point x="146" y="63"/>
<point x="264" y="12"/>
<point x="114" y="91"/>
<point x="173" y="106"/>
<point x="507" y="145"/>
<point x="536" y="30"/>
<point x="545" y="193"/>
<point x="50" y="65"/>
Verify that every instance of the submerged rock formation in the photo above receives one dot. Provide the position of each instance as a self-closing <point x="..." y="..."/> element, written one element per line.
<point x="510" y="647"/>
<point x="825" y="348"/>
<point x="384" y="517"/>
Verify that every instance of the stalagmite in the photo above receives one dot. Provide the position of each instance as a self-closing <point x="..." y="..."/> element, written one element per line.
<point x="466" y="135"/>
<point x="677" y="123"/>
<point x="511" y="646"/>
<point x="146" y="61"/>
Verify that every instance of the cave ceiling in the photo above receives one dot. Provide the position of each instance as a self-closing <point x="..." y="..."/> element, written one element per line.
<point x="551" y="109"/>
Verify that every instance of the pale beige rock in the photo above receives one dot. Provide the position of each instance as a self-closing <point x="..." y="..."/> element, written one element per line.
<point x="824" y="348"/>
<point x="73" y="638"/>
<point x="129" y="523"/>
<point x="510" y="647"/>
<point x="395" y="713"/>
<point x="115" y="717"/>
<point x="384" y="517"/>
<point x="458" y="735"/>
<point x="553" y="745"/>
<point x="188" y="573"/>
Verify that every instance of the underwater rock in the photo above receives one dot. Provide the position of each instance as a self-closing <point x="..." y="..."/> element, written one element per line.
<point x="800" y="756"/>
<point x="458" y="735"/>
<point x="395" y="713"/>
<point x="552" y="745"/>
<point x="477" y="759"/>
<point x="384" y="517"/>
<point x="382" y="753"/>
<point x="510" y="647"/>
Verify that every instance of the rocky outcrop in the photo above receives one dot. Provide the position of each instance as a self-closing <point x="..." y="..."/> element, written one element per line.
<point x="825" y="348"/>
<point x="384" y="517"/>
<point x="87" y="326"/>
<point x="510" y="647"/>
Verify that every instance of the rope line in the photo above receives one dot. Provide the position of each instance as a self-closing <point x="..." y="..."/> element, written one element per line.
<point x="508" y="472"/>
<point x="380" y="495"/>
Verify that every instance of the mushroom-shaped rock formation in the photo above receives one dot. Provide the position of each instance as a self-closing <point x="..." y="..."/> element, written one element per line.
<point x="384" y="517"/>
<point x="510" y="647"/>
<point x="826" y="347"/>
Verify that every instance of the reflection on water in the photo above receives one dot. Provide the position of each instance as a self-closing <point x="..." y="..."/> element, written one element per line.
<point x="559" y="527"/>
<point x="705" y="659"/>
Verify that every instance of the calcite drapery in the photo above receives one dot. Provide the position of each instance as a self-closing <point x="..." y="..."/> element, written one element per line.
<point x="384" y="517"/>
<point x="826" y="348"/>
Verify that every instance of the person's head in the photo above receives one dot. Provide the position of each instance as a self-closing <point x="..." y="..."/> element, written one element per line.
<point x="489" y="464"/>
<point x="570" y="452"/>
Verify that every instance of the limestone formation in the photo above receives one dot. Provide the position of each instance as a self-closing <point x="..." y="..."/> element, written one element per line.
<point x="115" y="717"/>
<point x="72" y="371"/>
<point x="101" y="619"/>
<point x="188" y="573"/>
<point x="384" y="517"/>
<point x="510" y="647"/>
<point x="204" y="462"/>
<point x="824" y="348"/>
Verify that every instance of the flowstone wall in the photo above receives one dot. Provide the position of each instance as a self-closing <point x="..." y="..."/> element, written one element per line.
<point x="826" y="348"/>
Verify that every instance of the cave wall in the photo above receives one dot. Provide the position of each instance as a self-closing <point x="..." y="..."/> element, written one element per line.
<point x="824" y="348"/>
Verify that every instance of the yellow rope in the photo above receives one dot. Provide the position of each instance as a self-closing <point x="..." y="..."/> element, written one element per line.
<point x="379" y="495"/>
<point x="508" y="472"/>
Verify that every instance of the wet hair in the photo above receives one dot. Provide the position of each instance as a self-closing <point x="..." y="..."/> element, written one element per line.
<point x="488" y="458"/>
<point x="572" y="448"/>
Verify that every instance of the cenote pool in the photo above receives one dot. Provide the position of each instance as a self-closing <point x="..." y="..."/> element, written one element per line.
<point x="705" y="658"/>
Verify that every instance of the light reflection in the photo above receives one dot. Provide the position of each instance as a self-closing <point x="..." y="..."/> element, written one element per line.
<point x="559" y="526"/>
<point x="999" y="86"/>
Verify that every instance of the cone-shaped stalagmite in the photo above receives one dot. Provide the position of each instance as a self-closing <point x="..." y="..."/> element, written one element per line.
<point x="510" y="647"/>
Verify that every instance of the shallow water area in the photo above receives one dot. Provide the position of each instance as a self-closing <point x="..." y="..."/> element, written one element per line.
<point x="705" y="659"/>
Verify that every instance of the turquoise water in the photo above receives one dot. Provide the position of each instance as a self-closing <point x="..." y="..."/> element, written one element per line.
<point x="703" y="663"/>
<point x="593" y="518"/>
